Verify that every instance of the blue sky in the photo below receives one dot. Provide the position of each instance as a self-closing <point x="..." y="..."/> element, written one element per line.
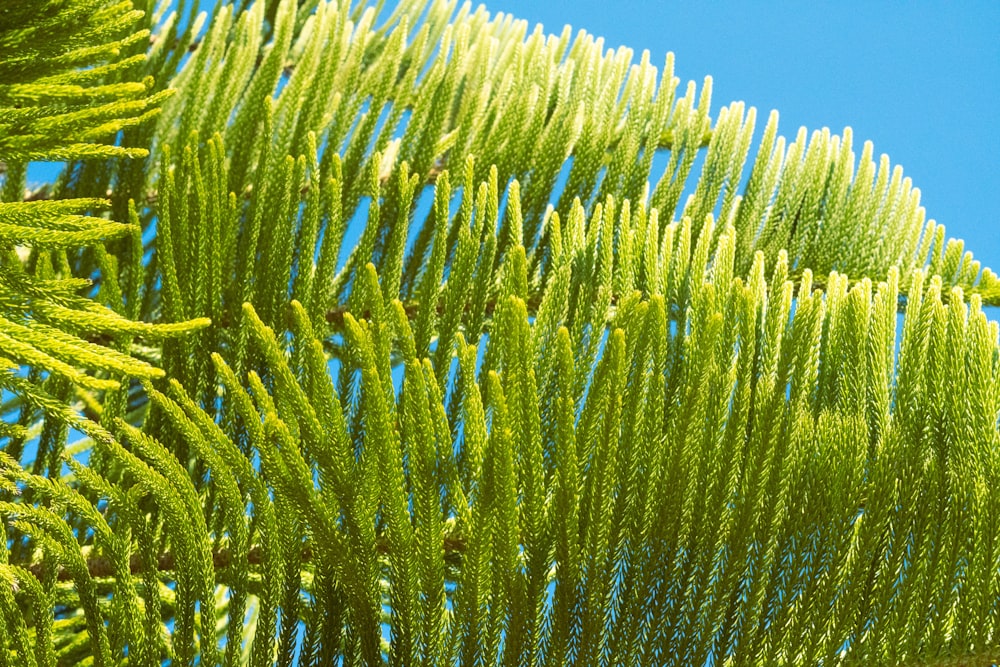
<point x="921" y="80"/>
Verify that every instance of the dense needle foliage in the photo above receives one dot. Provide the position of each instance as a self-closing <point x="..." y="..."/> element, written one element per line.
<point x="353" y="335"/>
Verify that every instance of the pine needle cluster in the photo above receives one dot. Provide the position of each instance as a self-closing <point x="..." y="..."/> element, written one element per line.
<point x="354" y="336"/>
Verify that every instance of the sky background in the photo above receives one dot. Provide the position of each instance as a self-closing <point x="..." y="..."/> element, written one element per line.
<point x="921" y="80"/>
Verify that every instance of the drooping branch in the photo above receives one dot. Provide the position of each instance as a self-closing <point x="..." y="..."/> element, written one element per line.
<point x="101" y="567"/>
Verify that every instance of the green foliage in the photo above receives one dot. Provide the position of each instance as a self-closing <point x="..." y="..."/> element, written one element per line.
<point x="361" y="337"/>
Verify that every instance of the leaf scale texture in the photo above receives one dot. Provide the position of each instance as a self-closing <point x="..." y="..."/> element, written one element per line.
<point x="358" y="335"/>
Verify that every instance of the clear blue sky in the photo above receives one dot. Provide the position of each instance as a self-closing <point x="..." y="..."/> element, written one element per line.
<point x="921" y="80"/>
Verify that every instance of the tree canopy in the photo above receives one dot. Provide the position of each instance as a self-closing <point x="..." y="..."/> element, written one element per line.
<point x="354" y="335"/>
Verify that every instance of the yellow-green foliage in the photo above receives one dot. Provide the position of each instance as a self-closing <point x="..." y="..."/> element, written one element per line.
<point x="306" y="362"/>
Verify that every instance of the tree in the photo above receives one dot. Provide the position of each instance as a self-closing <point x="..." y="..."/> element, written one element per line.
<point x="350" y="336"/>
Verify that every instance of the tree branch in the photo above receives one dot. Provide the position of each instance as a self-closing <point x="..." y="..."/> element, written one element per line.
<point x="101" y="567"/>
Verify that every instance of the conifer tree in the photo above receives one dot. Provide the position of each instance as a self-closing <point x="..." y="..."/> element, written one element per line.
<point x="364" y="335"/>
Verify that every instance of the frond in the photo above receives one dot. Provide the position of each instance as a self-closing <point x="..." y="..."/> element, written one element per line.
<point x="436" y="370"/>
<point x="64" y="95"/>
